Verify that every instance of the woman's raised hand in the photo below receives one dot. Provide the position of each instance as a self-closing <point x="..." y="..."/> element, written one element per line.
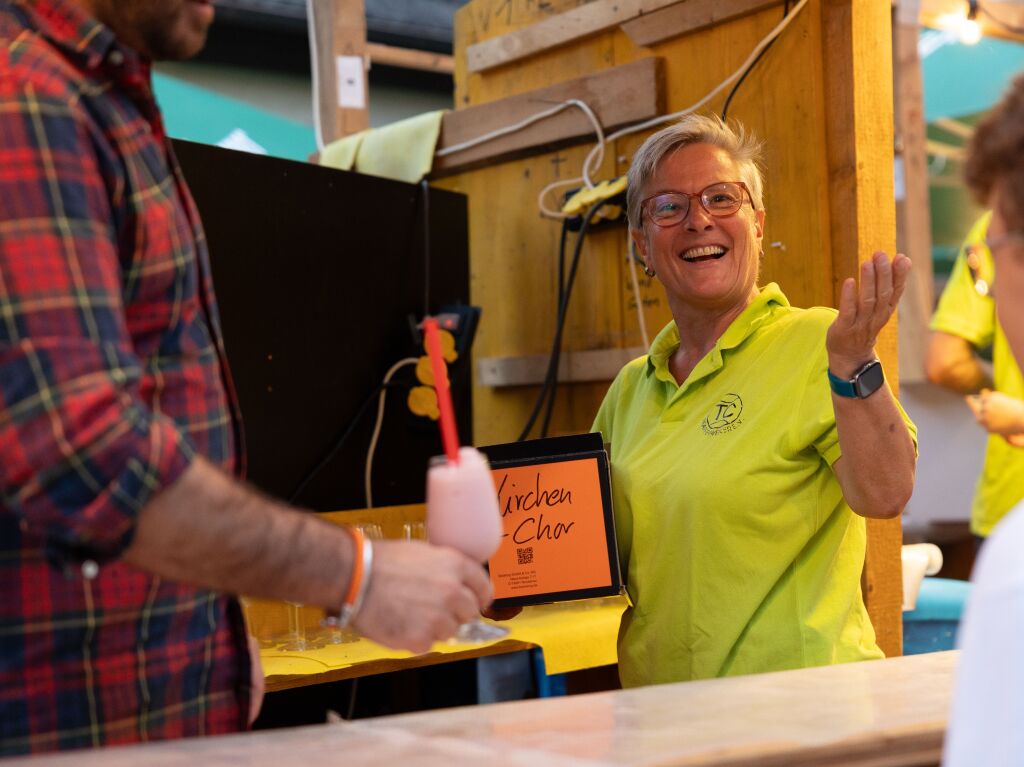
<point x="850" y="340"/>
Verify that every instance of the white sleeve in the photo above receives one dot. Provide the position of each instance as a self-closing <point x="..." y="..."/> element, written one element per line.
<point x="985" y="723"/>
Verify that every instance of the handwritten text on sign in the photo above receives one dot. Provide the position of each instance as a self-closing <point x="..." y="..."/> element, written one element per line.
<point x="554" y="530"/>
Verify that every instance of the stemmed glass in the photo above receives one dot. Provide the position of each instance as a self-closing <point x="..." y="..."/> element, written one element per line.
<point x="297" y="641"/>
<point x="462" y="512"/>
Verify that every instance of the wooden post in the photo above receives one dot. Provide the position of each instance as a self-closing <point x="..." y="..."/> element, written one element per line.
<point x="913" y="215"/>
<point x="340" y="30"/>
<point x="350" y="66"/>
<point x="859" y="131"/>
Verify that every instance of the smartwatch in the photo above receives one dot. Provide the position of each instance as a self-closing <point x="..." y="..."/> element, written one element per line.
<point x="865" y="382"/>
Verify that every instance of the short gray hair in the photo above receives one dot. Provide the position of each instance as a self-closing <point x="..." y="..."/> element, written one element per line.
<point x="740" y="144"/>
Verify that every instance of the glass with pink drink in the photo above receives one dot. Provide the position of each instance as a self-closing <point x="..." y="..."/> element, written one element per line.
<point x="462" y="512"/>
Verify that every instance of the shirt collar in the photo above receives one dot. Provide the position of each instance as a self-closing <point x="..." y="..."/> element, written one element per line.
<point x="67" y="25"/>
<point x="760" y="309"/>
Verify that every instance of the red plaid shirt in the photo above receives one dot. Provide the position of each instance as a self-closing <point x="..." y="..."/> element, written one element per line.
<point x="112" y="377"/>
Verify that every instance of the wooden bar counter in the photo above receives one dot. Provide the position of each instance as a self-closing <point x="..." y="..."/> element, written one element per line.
<point x="877" y="713"/>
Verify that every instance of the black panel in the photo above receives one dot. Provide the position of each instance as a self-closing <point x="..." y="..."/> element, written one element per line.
<point x="316" y="273"/>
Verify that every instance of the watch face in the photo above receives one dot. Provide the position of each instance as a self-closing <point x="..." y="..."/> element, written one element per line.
<point x="869" y="379"/>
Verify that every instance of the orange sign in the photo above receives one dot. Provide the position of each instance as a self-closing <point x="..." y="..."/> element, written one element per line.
<point x="556" y="537"/>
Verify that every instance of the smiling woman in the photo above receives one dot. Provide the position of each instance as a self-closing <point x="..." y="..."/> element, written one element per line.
<point x="736" y="472"/>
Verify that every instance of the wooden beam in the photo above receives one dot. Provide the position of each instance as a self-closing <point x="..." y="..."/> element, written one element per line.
<point x="574" y="366"/>
<point x="339" y="27"/>
<point x="913" y="215"/>
<point x="859" y="134"/>
<point x="940" y="149"/>
<point x="349" y="46"/>
<point x="957" y="128"/>
<point x="683" y="18"/>
<point x="327" y="99"/>
<point x="618" y="96"/>
<point x="590" y="19"/>
<point x="407" y="58"/>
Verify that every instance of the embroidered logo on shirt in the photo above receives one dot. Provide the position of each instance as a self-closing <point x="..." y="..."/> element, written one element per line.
<point x="724" y="416"/>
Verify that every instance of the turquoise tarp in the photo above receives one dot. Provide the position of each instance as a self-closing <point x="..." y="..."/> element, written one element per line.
<point x="196" y="114"/>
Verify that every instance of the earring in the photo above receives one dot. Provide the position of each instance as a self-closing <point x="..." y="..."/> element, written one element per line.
<point x="648" y="271"/>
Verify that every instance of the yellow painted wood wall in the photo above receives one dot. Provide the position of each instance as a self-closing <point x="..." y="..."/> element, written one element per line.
<point x="821" y="99"/>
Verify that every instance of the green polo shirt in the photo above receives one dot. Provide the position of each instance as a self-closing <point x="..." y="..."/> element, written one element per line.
<point x="964" y="312"/>
<point x="740" y="553"/>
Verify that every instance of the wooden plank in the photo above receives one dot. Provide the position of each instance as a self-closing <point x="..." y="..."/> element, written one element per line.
<point x="556" y="30"/>
<point x="589" y="365"/>
<point x="913" y="215"/>
<point x="874" y="714"/>
<point x="859" y="130"/>
<point x="327" y="99"/>
<point x="407" y="58"/>
<point x="349" y="47"/>
<point x="948" y="124"/>
<point x="618" y="96"/>
<point x="683" y="18"/>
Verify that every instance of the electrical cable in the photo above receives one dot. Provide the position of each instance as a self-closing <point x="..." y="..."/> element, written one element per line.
<point x="596" y="155"/>
<point x="551" y="377"/>
<point x="314" y="68"/>
<point x="335" y="446"/>
<point x="748" y="70"/>
<point x="655" y="121"/>
<point x="558" y="306"/>
<point x="368" y="471"/>
<point x="632" y="259"/>
<point x="425" y="190"/>
<point x="1000" y="22"/>
<point x="524" y="123"/>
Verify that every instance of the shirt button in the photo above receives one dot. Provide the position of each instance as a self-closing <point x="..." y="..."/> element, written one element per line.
<point x="116" y="58"/>
<point x="90" y="569"/>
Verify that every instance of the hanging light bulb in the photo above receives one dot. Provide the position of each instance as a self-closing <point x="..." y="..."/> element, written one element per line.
<point x="963" y="25"/>
<point x="970" y="29"/>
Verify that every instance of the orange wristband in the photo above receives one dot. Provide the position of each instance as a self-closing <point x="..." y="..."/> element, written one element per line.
<point x="362" y="561"/>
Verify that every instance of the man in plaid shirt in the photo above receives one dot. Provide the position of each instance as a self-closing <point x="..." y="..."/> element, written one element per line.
<point x="121" y="524"/>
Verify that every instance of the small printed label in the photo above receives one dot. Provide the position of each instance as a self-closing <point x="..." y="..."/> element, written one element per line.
<point x="351" y="82"/>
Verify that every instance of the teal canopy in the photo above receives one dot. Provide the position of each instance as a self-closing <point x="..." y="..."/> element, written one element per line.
<point x="966" y="79"/>
<point x="196" y="114"/>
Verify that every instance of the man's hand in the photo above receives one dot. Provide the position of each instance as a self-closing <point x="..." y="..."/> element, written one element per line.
<point x="998" y="413"/>
<point x="420" y="594"/>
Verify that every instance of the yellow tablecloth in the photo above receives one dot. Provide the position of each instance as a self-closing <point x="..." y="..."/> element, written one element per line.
<point x="572" y="637"/>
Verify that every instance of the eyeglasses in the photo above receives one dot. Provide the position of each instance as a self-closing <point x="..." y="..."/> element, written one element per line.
<point x="671" y="208"/>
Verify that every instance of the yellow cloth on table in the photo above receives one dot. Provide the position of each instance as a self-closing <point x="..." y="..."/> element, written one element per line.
<point x="403" y="150"/>
<point x="572" y="638"/>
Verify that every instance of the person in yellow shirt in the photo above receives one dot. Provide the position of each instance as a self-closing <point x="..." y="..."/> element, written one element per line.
<point x="740" y="480"/>
<point x="964" y="322"/>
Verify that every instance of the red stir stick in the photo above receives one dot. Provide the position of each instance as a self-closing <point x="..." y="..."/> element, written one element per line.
<point x="449" y="435"/>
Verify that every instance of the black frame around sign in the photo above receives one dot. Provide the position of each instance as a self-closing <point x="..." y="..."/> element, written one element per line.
<point x="554" y="450"/>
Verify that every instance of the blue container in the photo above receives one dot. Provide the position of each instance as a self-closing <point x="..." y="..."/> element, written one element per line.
<point x="932" y="626"/>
